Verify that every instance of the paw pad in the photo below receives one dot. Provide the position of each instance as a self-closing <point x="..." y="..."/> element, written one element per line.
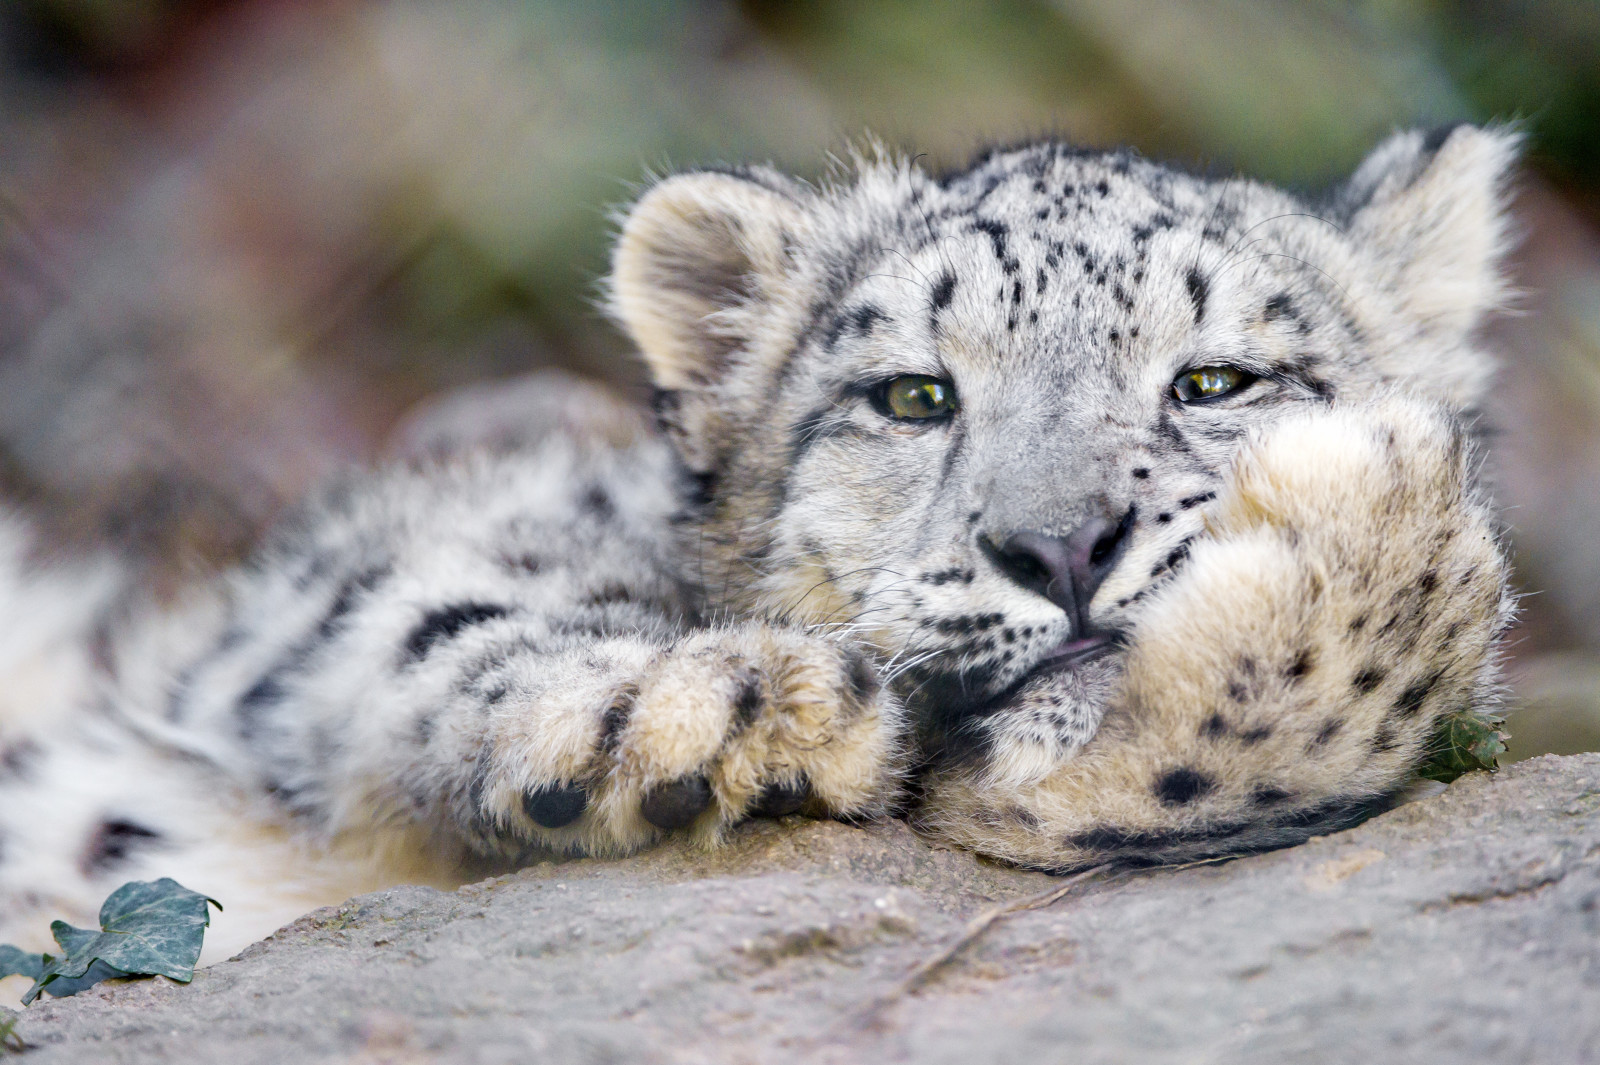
<point x="781" y="799"/>
<point x="555" y="806"/>
<point x="676" y="805"/>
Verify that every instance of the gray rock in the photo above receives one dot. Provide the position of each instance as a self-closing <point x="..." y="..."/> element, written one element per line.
<point x="1462" y="927"/>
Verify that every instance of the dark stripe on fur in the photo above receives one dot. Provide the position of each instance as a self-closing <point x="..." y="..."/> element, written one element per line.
<point x="439" y="626"/>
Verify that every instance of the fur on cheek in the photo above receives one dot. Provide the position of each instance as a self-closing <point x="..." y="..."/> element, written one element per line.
<point x="1294" y="672"/>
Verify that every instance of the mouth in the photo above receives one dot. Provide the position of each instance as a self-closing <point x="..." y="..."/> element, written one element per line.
<point x="1077" y="652"/>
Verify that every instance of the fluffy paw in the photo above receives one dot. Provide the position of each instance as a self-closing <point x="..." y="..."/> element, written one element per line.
<point x="1292" y="674"/>
<point x="728" y="723"/>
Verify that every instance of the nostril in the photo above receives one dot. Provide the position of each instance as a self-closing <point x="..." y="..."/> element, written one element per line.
<point x="1103" y="547"/>
<point x="1017" y="559"/>
<point x="1107" y="545"/>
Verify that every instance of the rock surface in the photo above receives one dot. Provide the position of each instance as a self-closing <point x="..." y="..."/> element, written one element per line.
<point x="1463" y="927"/>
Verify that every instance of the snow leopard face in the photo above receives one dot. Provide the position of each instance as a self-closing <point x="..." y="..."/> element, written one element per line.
<point x="977" y="418"/>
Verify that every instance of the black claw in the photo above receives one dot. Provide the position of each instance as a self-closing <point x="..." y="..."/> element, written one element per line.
<point x="555" y="806"/>
<point x="676" y="805"/>
<point x="782" y="798"/>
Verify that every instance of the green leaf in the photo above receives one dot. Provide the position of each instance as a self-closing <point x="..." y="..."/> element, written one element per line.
<point x="1464" y="741"/>
<point x="17" y="962"/>
<point x="9" y="1043"/>
<point x="147" y="928"/>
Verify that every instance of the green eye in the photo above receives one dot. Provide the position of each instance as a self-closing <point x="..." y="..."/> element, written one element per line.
<point x="917" y="398"/>
<point x="1210" y="382"/>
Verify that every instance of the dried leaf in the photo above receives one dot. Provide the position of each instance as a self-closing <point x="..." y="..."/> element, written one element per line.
<point x="1463" y="742"/>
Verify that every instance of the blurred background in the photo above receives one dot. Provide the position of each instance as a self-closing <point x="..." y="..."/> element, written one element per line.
<point x="241" y="241"/>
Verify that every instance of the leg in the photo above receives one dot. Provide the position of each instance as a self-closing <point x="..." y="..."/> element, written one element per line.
<point x="1291" y="676"/>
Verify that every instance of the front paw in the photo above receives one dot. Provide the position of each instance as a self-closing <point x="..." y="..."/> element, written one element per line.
<point x="728" y="723"/>
<point x="1293" y="673"/>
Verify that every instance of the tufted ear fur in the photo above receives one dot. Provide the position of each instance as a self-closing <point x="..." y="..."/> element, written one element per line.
<point x="699" y="256"/>
<point x="1431" y="205"/>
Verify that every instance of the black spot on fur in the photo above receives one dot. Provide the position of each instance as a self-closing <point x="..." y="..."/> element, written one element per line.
<point x="1368" y="679"/>
<point x="525" y="563"/>
<point x="862" y="676"/>
<point x="1141" y="473"/>
<point x="18" y="759"/>
<point x="1412" y="698"/>
<point x="943" y="291"/>
<point x="1022" y="816"/>
<point x="1194" y="501"/>
<point x="1199" y="291"/>
<point x="1267" y="795"/>
<point x="1179" y="787"/>
<point x="596" y="502"/>
<point x="1330" y="728"/>
<point x="264" y="693"/>
<point x="702" y="489"/>
<point x="997" y="233"/>
<point x="1279" y="306"/>
<point x="1251" y="737"/>
<point x="438" y="626"/>
<point x="609" y="594"/>
<point x="615" y="719"/>
<point x="865" y="318"/>
<point x="1214" y="727"/>
<point x="750" y="697"/>
<point x="1384" y="738"/>
<point x="348" y="595"/>
<point x="1303" y="664"/>
<point x="112" y="843"/>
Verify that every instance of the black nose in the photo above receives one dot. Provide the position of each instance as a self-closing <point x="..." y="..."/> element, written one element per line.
<point x="1066" y="570"/>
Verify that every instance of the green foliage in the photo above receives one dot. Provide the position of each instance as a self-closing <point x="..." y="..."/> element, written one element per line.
<point x="8" y="1032"/>
<point x="15" y="962"/>
<point x="147" y="928"/>
<point x="1464" y="741"/>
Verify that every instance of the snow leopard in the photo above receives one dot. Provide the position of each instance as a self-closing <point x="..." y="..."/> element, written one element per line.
<point x="1077" y="508"/>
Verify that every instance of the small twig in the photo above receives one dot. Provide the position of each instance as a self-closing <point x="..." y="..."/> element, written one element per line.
<point x="918" y="978"/>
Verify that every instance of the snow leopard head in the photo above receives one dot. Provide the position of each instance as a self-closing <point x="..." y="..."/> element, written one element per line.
<point x="976" y="417"/>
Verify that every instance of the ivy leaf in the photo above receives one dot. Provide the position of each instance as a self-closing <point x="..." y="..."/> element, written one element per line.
<point x="17" y="962"/>
<point x="1464" y="741"/>
<point x="147" y="928"/>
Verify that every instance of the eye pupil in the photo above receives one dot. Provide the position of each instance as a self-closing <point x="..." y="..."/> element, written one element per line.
<point x="915" y="398"/>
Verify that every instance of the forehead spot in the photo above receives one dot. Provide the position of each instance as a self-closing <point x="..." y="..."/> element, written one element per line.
<point x="1199" y="291"/>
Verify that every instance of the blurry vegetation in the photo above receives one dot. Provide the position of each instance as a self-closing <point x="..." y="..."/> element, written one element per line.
<point x="240" y="238"/>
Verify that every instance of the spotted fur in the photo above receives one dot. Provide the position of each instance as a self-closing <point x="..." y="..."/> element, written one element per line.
<point x="787" y="599"/>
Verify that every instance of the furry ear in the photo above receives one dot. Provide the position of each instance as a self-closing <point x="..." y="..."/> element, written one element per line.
<point x="1432" y="207"/>
<point x="699" y="256"/>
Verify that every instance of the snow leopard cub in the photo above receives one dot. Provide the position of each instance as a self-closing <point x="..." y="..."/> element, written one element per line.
<point x="1081" y="508"/>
